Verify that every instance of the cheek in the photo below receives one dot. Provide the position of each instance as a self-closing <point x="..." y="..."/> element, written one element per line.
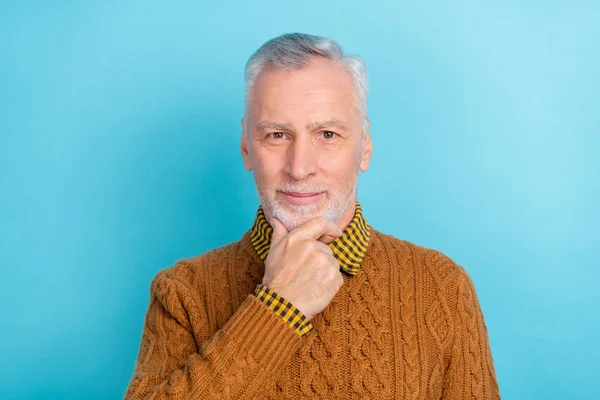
<point x="340" y="166"/>
<point x="267" y="170"/>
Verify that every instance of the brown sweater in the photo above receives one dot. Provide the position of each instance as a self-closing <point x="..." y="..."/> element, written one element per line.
<point x="407" y="326"/>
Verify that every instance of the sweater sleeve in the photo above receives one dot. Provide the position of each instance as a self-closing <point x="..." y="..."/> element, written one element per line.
<point x="237" y="361"/>
<point x="471" y="373"/>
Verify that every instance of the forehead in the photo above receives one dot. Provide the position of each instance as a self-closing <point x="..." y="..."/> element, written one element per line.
<point x="322" y="83"/>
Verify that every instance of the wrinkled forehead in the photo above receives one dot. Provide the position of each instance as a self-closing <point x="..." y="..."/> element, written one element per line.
<point x="322" y="82"/>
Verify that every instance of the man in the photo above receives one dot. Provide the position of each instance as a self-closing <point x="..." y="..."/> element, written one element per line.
<point x="312" y="302"/>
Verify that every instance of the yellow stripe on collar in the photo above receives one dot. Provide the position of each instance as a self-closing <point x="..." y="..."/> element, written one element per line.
<point x="349" y="249"/>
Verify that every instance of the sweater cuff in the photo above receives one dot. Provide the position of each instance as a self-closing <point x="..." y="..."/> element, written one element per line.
<point x="284" y="309"/>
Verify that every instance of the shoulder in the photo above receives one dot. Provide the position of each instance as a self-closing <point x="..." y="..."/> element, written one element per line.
<point x="423" y="259"/>
<point x="191" y="271"/>
<point x="432" y="277"/>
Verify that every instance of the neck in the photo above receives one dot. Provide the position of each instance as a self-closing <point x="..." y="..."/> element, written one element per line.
<point x="347" y="215"/>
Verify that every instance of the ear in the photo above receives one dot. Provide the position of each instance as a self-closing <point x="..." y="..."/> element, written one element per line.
<point x="244" y="147"/>
<point x="367" y="147"/>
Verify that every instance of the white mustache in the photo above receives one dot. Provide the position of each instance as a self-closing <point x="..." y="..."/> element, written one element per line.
<point x="303" y="188"/>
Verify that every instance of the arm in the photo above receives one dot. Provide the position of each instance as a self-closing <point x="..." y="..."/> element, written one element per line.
<point x="471" y="373"/>
<point x="237" y="361"/>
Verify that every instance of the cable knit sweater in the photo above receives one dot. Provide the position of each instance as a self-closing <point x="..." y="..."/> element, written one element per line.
<point x="407" y="326"/>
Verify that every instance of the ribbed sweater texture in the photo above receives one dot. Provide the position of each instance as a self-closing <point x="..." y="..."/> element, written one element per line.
<point x="407" y="326"/>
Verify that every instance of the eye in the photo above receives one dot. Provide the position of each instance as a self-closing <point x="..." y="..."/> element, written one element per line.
<point x="277" y="135"/>
<point x="328" y="135"/>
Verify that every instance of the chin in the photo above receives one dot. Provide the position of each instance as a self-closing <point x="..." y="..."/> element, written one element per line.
<point x="301" y="209"/>
<point x="293" y="216"/>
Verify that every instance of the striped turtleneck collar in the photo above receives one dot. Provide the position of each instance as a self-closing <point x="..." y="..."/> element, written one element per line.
<point x="349" y="249"/>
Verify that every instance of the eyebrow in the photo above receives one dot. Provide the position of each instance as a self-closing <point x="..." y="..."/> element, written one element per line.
<point x="264" y="125"/>
<point x="332" y="123"/>
<point x="313" y="126"/>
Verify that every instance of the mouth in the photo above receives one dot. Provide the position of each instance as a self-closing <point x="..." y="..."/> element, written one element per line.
<point x="300" y="198"/>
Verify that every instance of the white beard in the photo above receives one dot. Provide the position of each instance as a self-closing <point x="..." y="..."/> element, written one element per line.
<point x="292" y="215"/>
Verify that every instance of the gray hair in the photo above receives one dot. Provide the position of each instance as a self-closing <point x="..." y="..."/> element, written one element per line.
<point x="293" y="51"/>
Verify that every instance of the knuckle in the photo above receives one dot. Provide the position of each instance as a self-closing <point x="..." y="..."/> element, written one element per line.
<point x="292" y="237"/>
<point x="320" y="257"/>
<point x="328" y="250"/>
<point x="331" y="260"/>
<point x="324" y="248"/>
<point x="333" y="274"/>
<point x="308" y="248"/>
<point x="311" y="245"/>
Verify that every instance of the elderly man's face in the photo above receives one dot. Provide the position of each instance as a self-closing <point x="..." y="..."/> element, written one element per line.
<point x="304" y="142"/>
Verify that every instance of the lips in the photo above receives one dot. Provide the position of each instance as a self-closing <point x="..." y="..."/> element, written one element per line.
<point x="301" y="194"/>
<point x="299" y="198"/>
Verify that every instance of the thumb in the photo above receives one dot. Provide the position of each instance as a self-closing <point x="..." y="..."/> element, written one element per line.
<point x="279" y="231"/>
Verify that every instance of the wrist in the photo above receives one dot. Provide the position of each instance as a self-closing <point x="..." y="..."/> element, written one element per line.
<point x="285" y="309"/>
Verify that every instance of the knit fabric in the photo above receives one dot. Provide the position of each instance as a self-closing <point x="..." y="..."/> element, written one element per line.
<point x="408" y="325"/>
<point x="349" y="250"/>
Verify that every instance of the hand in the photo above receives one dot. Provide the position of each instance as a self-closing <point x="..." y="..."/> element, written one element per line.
<point x="301" y="267"/>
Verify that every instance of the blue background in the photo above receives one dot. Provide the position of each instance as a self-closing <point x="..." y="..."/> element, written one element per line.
<point x="119" y="125"/>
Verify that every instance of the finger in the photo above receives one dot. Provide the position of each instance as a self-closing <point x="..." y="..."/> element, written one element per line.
<point x="318" y="227"/>
<point x="279" y="231"/>
<point x="325" y="249"/>
<point x="326" y="238"/>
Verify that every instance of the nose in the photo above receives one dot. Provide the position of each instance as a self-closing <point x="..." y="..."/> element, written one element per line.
<point x="302" y="159"/>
